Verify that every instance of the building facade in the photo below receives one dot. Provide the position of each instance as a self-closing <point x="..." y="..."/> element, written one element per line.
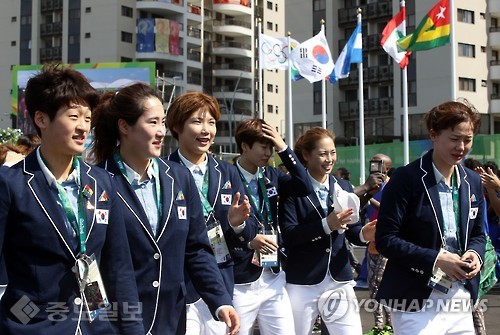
<point x="215" y="48"/>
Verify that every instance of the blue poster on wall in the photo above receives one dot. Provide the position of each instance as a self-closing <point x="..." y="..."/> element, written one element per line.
<point x="145" y="35"/>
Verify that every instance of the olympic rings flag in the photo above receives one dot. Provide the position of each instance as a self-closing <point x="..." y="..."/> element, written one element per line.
<point x="273" y="52"/>
<point x="312" y="58"/>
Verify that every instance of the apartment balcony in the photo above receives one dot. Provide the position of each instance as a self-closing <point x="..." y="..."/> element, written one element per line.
<point x="495" y="103"/>
<point x="494" y="36"/>
<point x="227" y="92"/>
<point x="49" y="29"/>
<point x="495" y="70"/>
<point x="160" y="56"/>
<point x="494" y="7"/>
<point x="233" y="27"/>
<point x="51" y="5"/>
<point x="353" y="79"/>
<point x="381" y="73"/>
<point x="348" y="15"/>
<point x="232" y="71"/>
<point x="233" y="7"/>
<point x="49" y="54"/>
<point x="348" y="110"/>
<point x="232" y="49"/>
<point x="161" y="8"/>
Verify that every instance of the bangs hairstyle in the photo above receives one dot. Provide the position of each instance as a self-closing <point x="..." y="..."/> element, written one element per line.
<point x="127" y="104"/>
<point x="307" y="141"/>
<point x="55" y="87"/>
<point x="185" y="105"/>
<point x="250" y="131"/>
<point x="451" y="113"/>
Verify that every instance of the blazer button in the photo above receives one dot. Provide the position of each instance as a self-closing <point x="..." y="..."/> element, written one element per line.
<point x="156" y="255"/>
<point x="156" y="283"/>
<point x="327" y="250"/>
<point x="77" y="301"/>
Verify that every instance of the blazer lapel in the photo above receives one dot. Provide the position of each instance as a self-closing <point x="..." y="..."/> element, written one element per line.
<point x="91" y="202"/>
<point x="44" y="195"/>
<point x="167" y="193"/>
<point x="465" y="207"/>
<point x="214" y="180"/>
<point x="430" y="185"/>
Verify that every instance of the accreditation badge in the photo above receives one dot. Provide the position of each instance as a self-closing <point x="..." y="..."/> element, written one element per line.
<point x="218" y="242"/>
<point x="91" y="286"/>
<point x="439" y="281"/>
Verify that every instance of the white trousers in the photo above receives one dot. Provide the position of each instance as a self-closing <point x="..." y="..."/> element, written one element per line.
<point x="266" y="301"/>
<point x="341" y="316"/>
<point x="448" y="314"/>
<point x="199" y="320"/>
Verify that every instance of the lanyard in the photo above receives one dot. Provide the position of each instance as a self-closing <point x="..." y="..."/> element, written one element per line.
<point x="207" y="208"/>
<point x="456" y="206"/>
<point x="156" y="174"/>
<point x="267" y="203"/>
<point x="78" y="223"/>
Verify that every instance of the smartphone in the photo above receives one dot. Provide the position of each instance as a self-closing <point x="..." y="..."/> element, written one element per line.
<point x="376" y="166"/>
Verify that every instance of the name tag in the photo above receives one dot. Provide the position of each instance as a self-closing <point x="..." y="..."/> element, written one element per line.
<point x="439" y="281"/>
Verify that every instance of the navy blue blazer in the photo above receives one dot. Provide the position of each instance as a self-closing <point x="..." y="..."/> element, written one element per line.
<point x="408" y="231"/>
<point x="181" y="241"/>
<point x="311" y="252"/>
<point x="279" y="186"/>
<point x="221" y="172"/>
<point x="39" y="254"/>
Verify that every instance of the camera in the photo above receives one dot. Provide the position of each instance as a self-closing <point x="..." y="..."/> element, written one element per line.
<point x="376" y="166"/>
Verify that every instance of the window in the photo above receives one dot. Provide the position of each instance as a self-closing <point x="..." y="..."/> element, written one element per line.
<point x="74" y="14"/>
<point x="269" y="25"/>
<point x="276" y="7"/>
<point x="466" y="50"/>
<point x="484" y="83"/>
<point x="269" y="5"/>
<point x="269" y="108"/>
<point x="319" y="5"/>
<point x="25" y="19"/>
<point x="276" y="27"/>
<point x="465" y="16"/>
<point x="269" y="87"/>
<point x="13" y="43"/>
<point x="467" y="84"/>
<point x="483" y="49"/>
<point x="127" y="11"/>
<point x="88" y="9"/>
<point x="125" y="59"/>
<point x="126" y="37"/>
<point x="276" y="89"/>
<point x="277" y="109"/>
<point x="87" y="35"/>
<point x="87" y="60"/>
<point x="482" y="16"/>
<point x="13" y="19"/>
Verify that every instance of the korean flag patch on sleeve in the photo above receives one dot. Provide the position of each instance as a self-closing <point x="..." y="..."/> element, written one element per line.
<point x="102" y="216"/>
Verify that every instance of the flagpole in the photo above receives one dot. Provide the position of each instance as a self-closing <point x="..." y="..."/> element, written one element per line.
<point x="323" y="90"/>
<point x="406" y="131"/>
<point x="453" y="53"/>
<point x="259" y="27"/>
<point x="361" y="116"/>
<point x="289" y="116"/>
